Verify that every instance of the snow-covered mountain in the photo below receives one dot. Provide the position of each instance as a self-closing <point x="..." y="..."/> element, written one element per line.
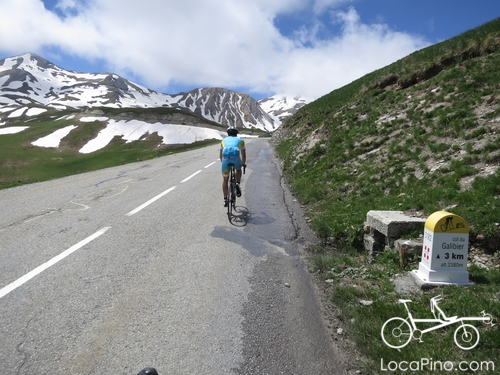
<point x="281" y="107"/>
<point x="226" y="107"/>
<point x="30" y="81"/>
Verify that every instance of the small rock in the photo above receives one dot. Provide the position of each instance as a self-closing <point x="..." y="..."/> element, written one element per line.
<point x="481" y="265"/>
<point x="340" y="331"/>
<point x="329" y="281"/>
<point x="366" y="303"/>
<point x="287" y="285"/>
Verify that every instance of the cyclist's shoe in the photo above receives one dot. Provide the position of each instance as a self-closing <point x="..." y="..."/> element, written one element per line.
<point x="225" y="202"/>
<point x="238" y="190"/>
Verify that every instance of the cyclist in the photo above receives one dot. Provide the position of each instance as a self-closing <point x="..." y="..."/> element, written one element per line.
<point x="232" y="150"/>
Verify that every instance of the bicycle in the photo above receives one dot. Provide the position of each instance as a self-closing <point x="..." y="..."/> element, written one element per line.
<point x="231" y="191"/>
<point x="448" y="225"/>
<point x="397" y="332"/>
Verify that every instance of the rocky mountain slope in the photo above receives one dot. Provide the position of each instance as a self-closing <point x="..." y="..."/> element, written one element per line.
<point x="30" y="81"/>
<point x="226" y="107"/>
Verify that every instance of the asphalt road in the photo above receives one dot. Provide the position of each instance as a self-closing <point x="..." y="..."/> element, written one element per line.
<point x="134" y="266"/>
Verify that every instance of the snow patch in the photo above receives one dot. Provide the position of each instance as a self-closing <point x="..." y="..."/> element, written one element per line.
<point x="133" y="130"/>
<point x="92" y="119"/>
<point x="13" y="130"/>
<point x="7" y="109"/>
<point x="35" y="111"/>
<point x="54" y="139"/>
<point x="18" y="113"/>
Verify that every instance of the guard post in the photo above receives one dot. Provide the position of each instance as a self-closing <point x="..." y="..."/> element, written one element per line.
<point x="445" y="250"/>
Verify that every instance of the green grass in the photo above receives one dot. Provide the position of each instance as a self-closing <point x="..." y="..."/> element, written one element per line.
<point x="365" y="163"/>
<point x="406" y="137"/>
<point x="22" y="163"/>
<point x="355" y="280"/>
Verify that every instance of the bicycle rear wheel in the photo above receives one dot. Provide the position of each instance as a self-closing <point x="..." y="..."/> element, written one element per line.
<point x="231" y="193"/>
<point x="233" y="197"/>
<point x="396" y="332"/>
<point x="229" y="198"/>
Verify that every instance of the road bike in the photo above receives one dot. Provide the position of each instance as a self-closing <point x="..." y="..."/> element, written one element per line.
<point x="397" y="332"/>
<point x="232" y="189"/>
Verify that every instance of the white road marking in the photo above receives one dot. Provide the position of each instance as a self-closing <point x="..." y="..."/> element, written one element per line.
<point x="9" y="288"/>
<point x="190" y="177"/>
<point x="49" y="212"/>
<point x="150" y="201"/>
<point x="84" y="206"/>
<point x="118" y="192"/>
<point x="14" y="285"/>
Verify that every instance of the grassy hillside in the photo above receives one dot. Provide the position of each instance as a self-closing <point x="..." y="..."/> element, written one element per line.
<point x="21" y="162"/>
<point x="419" y="135"/>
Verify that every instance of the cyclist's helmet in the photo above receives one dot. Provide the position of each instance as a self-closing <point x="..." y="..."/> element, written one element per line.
<point x="148" y="371"/>
<point x="232" y="132"/>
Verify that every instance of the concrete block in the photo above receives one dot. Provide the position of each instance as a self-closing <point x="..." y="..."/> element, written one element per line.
<point x="393" y="224"/>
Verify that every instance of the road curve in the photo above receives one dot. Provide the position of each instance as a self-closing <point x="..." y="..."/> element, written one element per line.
<point x="138" y="266"/>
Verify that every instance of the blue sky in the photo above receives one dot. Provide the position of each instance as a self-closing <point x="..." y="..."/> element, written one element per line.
<point x="294" y="47"/>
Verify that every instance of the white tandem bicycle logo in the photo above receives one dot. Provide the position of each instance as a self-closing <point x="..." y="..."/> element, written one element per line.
<point x="397" y="332"/>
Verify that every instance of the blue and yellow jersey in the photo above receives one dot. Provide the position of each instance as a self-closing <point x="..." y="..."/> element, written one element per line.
<point x="231" y="147"/>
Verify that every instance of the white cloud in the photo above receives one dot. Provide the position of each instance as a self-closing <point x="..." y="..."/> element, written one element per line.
<point x="356" y="51"/>
<point x="69" y="7"/>
<point x="322" y="5"/>
<point x="24" y="25"/>
<point x="228" y="43"/>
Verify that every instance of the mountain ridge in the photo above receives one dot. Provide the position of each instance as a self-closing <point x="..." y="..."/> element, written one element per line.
<point x="31" y="80"/>
<point x="226" y="107"/>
